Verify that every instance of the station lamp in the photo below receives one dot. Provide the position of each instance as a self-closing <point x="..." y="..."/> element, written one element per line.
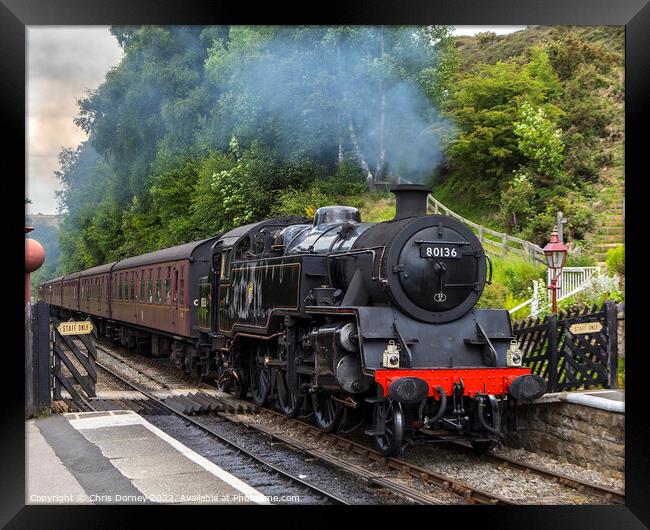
<point x="555" y="253"/>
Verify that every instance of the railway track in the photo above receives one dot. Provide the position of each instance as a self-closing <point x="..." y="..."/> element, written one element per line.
<point x="397" y="484"/>
<point x="394" y="474"/>
<point x="240" y="449"/>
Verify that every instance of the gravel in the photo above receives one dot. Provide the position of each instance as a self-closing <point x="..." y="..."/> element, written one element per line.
<point x="570" y="470"/>
<point x="480" y="472"/>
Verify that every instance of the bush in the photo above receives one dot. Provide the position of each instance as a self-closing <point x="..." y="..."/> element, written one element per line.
<point x="303" y="201"/>
<point x="616" y="260"/>
<point x="579" y="258"/>
<point x="344" y="187"/>
<point x="516" y="274"/>
<point x="494" y="297"/>
<point x="599" y="289"/>
<point x="519" y="277"/>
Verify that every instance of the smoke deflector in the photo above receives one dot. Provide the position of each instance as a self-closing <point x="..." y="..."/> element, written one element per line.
<point x="411" y="200"/>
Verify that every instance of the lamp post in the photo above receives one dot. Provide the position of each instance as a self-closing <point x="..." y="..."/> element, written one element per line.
<point x="555" y="253"/>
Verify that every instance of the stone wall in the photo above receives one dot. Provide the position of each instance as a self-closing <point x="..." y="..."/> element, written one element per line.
<point x="577" y="434"/>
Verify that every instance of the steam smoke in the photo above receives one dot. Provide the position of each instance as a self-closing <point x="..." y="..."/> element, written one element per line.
<point x="308" y="94"/>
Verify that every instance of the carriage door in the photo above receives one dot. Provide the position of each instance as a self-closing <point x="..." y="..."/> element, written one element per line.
<point x="205" y="303"/>
<point x="175" y="295"/>
<point x="216" y="273"/>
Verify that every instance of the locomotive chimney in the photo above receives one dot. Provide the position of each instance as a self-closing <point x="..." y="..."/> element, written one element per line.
<point x="411" y="200"/>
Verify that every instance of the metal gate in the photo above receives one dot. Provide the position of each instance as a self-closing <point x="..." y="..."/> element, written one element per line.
<point x="574" y="349"/>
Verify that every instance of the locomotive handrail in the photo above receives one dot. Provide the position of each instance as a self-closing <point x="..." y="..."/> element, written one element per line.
<point x="505" y="241"/>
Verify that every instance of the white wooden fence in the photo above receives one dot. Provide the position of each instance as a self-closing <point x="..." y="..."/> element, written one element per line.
<point x="499" y="241"/>
<point x="571" y="281"/>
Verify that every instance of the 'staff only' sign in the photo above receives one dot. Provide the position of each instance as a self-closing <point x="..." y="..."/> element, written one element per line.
<point x="83" y="327"/>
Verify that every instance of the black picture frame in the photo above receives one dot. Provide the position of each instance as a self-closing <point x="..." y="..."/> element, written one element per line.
<point x="15" y="15"/>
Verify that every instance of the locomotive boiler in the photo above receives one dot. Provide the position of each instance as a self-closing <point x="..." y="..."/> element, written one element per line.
<point x="340" y="315"/>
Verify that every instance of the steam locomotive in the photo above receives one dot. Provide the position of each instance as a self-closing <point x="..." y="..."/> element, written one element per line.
<point x="336" y="315"/>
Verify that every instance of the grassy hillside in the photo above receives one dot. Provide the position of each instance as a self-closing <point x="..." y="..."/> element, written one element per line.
<point x="582" y="96"/>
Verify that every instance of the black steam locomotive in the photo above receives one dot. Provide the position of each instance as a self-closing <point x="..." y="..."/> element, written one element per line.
<point x="337" y="315"/>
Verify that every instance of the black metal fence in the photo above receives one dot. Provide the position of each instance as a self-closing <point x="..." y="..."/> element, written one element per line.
<point x="574" y="349"/>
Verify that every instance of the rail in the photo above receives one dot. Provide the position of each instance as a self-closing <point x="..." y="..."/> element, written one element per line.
<point x="499" y="240"/>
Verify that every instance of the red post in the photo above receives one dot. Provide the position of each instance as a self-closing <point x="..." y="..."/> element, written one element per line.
<point x="34" y="258"/>
<point x="554" y="294"/>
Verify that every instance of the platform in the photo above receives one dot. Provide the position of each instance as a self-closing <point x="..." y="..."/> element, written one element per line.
<point x="603" y="399"/>
<point x="117" y="457"/>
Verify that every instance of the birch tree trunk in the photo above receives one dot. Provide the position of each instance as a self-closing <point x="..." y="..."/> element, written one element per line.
<point x="381" y="161"/>
<point x="353" y="135"/>
<point x="360" y="158"/>
<point x="340" y="141"/>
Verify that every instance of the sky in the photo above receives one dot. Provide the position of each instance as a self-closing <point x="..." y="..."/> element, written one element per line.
<point x="63" y="63"/>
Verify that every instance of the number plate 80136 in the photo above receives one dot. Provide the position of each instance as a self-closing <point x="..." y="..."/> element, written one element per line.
<point x="439" y="251"/>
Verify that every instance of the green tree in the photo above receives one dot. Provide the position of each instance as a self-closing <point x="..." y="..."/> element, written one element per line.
<point x="484" y="106"/>
<point x="540" y="142"/>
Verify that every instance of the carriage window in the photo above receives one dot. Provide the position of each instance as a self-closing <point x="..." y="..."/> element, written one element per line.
<point x="132" y="293"/>
<point x="141" y="297"/>
<point x="149" y="292"/>
<point x="168" y="291"/>
<point x="157" y="291"/>
<point x="181" y="291"/>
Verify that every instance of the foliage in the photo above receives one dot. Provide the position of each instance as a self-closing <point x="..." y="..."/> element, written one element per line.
<point x="539" y="116"/>
<point x="494" y="296"/>
<point x="539" y="141"/>
<point x="512" y="282"/>
<point x="201" y="128"/>
<point x="189" y="135"/>
<point x="616" y="260"/>
<point x="621" y="372"/>
<point x="484" y="105"/>
<point x="345" y="187"/>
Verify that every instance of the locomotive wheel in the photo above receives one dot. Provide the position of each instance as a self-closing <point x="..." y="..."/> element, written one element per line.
<point x="288" y="403"/>
<point x="327" y="411"/>
<point x="239" y="385"/>
<point x="390" y="413"/>
<point x="260" y="379"/>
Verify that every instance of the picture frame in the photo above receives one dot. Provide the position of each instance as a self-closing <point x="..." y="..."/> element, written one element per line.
<point x="17" y="15"/>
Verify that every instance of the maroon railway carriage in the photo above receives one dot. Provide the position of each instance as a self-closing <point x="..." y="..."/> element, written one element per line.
<point x="95" y="290"/>
<point x="148" y="302"/>
<point x="70" y="291"/>
<point x="153" y="290"/>
<point x="50" y="291"/>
